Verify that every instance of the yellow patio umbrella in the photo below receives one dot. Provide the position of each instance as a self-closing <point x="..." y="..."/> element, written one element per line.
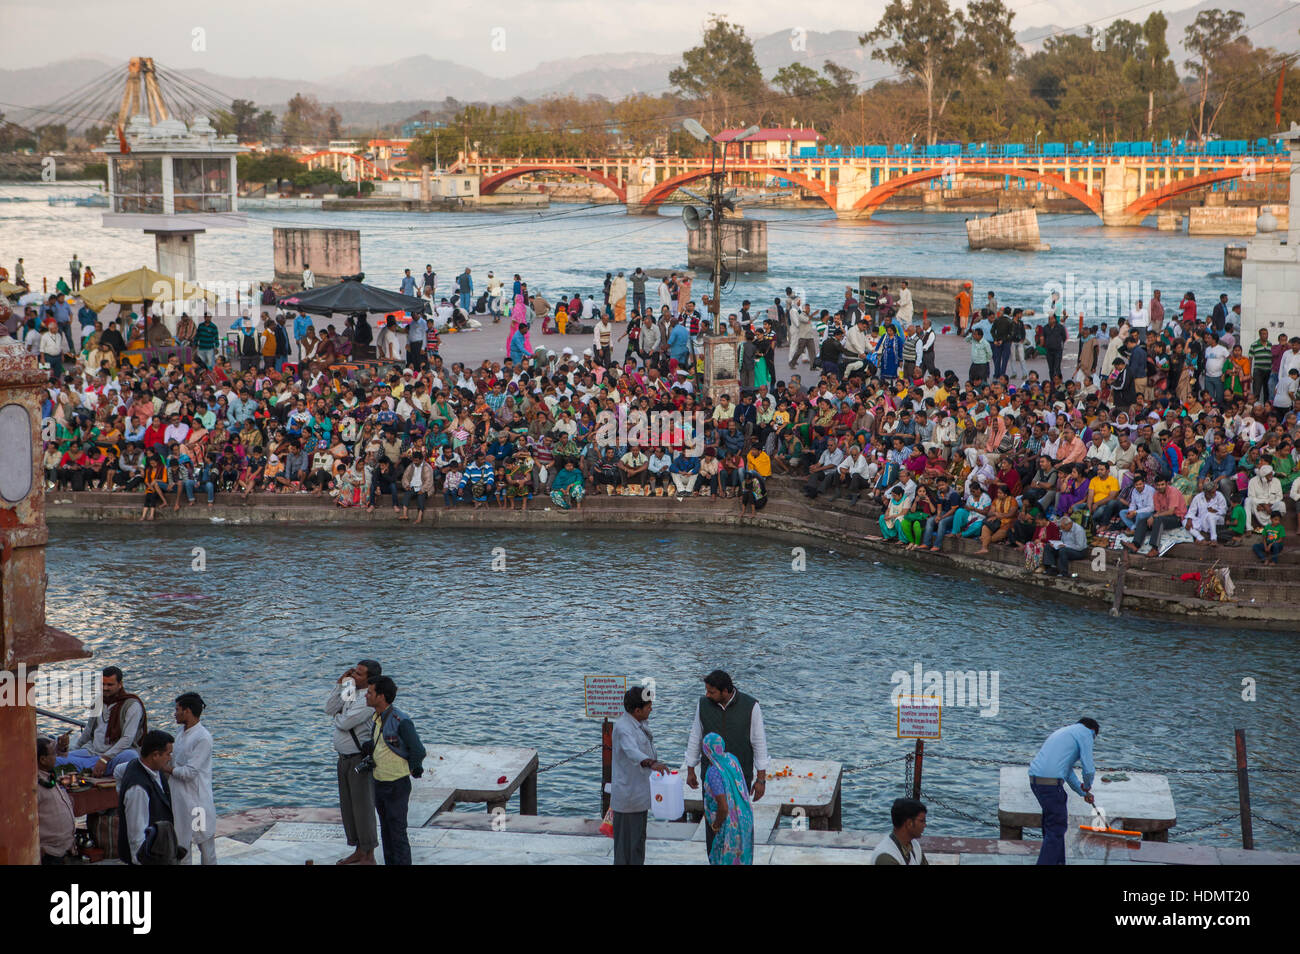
<point x="143" y="284"/>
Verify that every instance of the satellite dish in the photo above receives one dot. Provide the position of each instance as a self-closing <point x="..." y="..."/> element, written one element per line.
<point x="691" y="216"/>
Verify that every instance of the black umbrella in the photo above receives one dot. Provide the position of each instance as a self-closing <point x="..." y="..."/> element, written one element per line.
<point x="351" y="296"/>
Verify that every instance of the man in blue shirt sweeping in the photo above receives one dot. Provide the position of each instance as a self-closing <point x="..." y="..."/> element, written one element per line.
<point x="1051" y="770"/>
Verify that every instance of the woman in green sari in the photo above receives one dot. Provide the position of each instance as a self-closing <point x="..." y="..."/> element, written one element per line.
<point x="1284" y="468"/>
<point x="727" y="807"/>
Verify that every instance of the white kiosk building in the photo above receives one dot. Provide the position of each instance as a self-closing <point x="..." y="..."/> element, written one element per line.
<point x="173" y="182"/>
<point x="1270" y="276"/>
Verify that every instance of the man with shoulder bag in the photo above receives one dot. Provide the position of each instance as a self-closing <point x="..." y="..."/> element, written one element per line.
<point x="352" y="717"/>
<point x="396" y="755"/>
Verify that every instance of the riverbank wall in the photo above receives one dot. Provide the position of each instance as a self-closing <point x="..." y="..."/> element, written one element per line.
<point x="1266" y="597"/>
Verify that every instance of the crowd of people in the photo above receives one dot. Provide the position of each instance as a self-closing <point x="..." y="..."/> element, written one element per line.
<point x="1171" y="428"/>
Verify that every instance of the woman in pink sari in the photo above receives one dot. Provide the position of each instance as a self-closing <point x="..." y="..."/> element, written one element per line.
<point x="518" y="315"/>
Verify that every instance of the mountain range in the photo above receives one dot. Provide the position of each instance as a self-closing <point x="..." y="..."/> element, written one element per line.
<point x="391" y="92"/>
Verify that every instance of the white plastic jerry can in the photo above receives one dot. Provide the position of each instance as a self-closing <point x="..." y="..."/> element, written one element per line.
<point x="667" y="798"/>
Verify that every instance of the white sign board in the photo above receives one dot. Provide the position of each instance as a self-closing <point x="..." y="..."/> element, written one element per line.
<point x="919" y="717"/>
<point x="603" y="696"/>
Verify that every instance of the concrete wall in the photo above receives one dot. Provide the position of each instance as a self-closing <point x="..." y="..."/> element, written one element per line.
<point x="1009" y="230"/>
<point x="332" y="254"/>
<point x="737" y="234"/>
<point x="934" y="295"/>
<point x="1223" y="220"/>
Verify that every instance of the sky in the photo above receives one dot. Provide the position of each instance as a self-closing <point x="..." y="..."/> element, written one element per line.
<point x="321" y="38"/>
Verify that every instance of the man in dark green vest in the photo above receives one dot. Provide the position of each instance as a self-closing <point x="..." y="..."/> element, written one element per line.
<point x="736" y="717"/>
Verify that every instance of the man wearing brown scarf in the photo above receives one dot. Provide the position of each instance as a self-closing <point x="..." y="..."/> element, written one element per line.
<point x="112" y="736"/>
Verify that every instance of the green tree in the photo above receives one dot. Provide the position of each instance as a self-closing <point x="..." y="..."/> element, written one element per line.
<point x="798" y="81"/>
<point x="1152" y="70"/>
<point x="52" y="138"/>
<point x="940" y="49"/>
<point x="722" y="71"/>
<point x="1206" y="39"/>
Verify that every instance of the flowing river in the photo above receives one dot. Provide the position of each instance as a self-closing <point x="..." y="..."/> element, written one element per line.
<point x="486" y="656"/>
<point x="570" y="247"/>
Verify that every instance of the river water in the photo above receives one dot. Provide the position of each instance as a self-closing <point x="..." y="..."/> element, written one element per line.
<point x="569" y="247"/>
<point x="485" y="656"/>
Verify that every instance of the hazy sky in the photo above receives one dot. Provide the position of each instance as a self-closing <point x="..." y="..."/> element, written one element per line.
<point x="320" y="38"/>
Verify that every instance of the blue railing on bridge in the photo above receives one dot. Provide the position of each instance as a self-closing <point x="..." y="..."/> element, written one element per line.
<point x="1217" y="148"/>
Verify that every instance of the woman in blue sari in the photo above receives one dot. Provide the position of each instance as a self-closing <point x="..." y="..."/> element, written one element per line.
<point x="727" y="807"/>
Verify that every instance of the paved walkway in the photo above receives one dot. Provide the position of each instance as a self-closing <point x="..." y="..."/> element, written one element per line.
<point x="299" y="836"/>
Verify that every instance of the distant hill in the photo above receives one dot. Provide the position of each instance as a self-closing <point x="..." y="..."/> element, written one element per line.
<point x="392" y="92"/>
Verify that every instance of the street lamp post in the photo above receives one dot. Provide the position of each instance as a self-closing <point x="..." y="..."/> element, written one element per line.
<point x="718" y="202"/>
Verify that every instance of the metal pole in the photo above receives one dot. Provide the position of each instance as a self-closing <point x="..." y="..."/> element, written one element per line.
<point x="715" y="200"/>
<point x="606" y="763"/>
<point x="916" y="769"/>
<point x="61" y="718"/>
<point x="1243" y="793"/>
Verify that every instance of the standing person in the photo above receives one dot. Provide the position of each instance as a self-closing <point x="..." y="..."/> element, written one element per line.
<point x="737" y="718"/>
<point x="407" y="285"/>
<point x="632" y="760"/>
<point x="925" y="346"/>
<point x="902" y="846"/>
<point x="1054" y="337"/>
<point x="194" y="812"/>
<point x="601" y="339"/>
<point x="1052" y="769"/>
<point x="727" y="809"/>
<point x="74" y="269"/>
<point x="397" y="754"/>
<point x="1156" y="312"/>
<point x="1019" y="333"/>
<point x="980" y="356"/>
<point x="351" y="716"/>
<point x="145" y="831"/>
<point x="301" y="326"/>
<point x="51" y="344"/>
<point x="429" y="281"/>
<point x="618" y="297"/>
<point x="638" y="291"/>
<point x="308" y="281"/>
<point x="905" y="307"/>
<point x="417" y="333"/>
<point x="803" y="337"/>
<point x="465" y="288"/>
<point x="206" y="339"/>
<point x="666" y="296"/>
<point x="963" y="304"/>
<point x="1002" y="332"/>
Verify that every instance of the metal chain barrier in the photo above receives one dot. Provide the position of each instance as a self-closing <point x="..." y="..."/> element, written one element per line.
<point x="1278" y="825"/>
<point x="851" y="769"/>
<point x="1218" y="821"/>
<point x="576" y="755"/>
<point x="1153" y="770"/>
<point x="928" y="798"/>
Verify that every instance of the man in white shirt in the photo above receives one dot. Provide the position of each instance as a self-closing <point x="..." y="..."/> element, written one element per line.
<point x="855" y="472"/>
<point x="308" y="279"/>
<point x="1207" y="510"/>
<point x="1263" y="496"/>
<point x="1215" y="357"/>
<point x="1139" y="317"/>
<point x="194" y="812"/>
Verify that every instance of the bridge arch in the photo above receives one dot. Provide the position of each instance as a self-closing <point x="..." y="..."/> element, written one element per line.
<point x="1146" y="204"/>
<point x="660" y="192"/>
<point x="877" y="196"/>
<point x="491" y="183"/>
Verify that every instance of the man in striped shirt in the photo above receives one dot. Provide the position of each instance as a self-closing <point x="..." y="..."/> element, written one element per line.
<point x="1261" y="364"/>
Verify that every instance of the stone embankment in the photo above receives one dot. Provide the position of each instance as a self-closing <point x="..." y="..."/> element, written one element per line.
<point x="1266" y="597"/>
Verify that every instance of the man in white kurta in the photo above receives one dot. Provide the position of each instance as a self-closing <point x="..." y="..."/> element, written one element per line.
<point x="1208" y="509"/>
<point x="193" y="812"/>
<point x="1263" y="497"/>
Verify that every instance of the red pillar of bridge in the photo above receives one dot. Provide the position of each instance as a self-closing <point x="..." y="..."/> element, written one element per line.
<point x="25" y="640"/>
